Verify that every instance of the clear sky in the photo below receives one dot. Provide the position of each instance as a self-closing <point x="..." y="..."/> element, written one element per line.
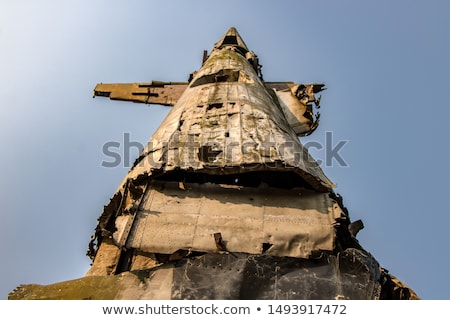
<point x="385" y="64"/>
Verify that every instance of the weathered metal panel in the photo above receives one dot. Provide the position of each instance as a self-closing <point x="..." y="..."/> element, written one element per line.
<point x="292" y="223"/>
<point x="243" y="276"/>
<point x="164" y="93"/>
<point x="237" y="122"/>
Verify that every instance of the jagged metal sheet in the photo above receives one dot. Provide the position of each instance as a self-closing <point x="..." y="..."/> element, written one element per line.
<point x="280" y="222"/>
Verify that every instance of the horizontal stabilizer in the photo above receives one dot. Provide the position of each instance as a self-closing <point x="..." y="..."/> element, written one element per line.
<point x="154" y="92"/>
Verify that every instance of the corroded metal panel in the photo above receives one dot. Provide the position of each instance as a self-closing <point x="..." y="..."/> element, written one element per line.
<point x="248" y="277"/>
<point x="237" y="123"/>
<point x="157" y="92"/>
<point x="293" y="223"/>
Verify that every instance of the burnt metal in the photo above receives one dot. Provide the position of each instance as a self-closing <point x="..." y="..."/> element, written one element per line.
<point x="352" y="274"/>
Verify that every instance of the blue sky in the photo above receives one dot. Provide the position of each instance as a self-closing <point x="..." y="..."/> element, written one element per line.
<point x="385" y="64"/>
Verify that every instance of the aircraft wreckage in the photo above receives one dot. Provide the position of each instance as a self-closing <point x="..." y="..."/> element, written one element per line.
<point x="225" y="202"/>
